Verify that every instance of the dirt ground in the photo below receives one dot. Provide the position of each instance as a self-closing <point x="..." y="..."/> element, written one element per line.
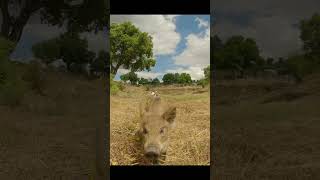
<point x="52" y="136"/>
<point x="190" y="140"/>
<point x="267" y="130"/>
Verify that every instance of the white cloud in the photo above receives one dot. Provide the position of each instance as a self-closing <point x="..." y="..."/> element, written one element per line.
<point x="197" y="52"/>
<point x="196" y="73"/>
<point x="202" y="23"/>
<point x="144" y="74"/>
<point x="96" y="42"/>
<point x="162" y="28"/>
<point x="148" y="75"/>
<point x="122" y="71"/>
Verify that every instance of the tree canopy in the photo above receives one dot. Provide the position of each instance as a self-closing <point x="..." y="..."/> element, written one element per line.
<point x="69" y="46"/>
<point x="130" y="48"/>
<point x="310" y="35"/>
<point x="130" y="76"/>
<point x="85" y="15"/>
<point x="176" y="78"/>
<point x="100" y="63"/>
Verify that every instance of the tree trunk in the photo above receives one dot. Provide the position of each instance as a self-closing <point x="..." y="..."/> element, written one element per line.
<point x="12" y="28"/>
<point x="114" y="70"/>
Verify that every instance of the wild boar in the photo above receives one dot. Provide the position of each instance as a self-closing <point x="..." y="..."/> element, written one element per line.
<point x="157" y="120"/>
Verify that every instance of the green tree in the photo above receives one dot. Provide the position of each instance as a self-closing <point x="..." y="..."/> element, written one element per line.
<point x="269" y="61"/>
<point x="185" y="78"/>
<point x="310" y="35"/>
<point x="47" y="50"/>
<point x="74" y="49"/>
<point x="143" y="81"/>
<point x="168" y="78"/>
<point x="69" y="46"/>
<point x="176" y="78"/>
<point x="216" y="43"/>
<point x="155" y="81"/>
<point x="131" y="76"/>
<point x="206" y="72"/>
<point x="6" y="47"/>
<point x="100" y="63"/>
<point x="216" y="46"/>
<point x="241" y="53"/>
<point x="77" y="17"/>
<point x="130" y="48"/>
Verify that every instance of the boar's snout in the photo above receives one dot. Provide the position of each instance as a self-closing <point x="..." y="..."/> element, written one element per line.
<point x="152" y="152"/>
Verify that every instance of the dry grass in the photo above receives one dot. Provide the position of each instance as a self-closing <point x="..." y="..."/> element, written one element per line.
<point x="52" y="136"/>
<point x="189" y="143"/>
<point x="274" y="140"/>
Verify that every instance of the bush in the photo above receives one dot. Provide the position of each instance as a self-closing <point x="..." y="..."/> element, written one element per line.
<point x="35" y="76"/>
<point x="114" y="89"/>
<point x="202" y="82"/>
<point x="6" y="47"/>
<point x="12" y="93"/>
<point x="114" y="86"/>
<point x="12" y="88"/>
<point x="121" y="86"/>
<point x="148" y="87"/>
<point x="300" y="66"/>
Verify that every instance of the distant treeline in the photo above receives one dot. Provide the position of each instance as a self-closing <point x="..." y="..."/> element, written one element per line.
<point x="168" y="78"/>
<point x="241" y="55"/>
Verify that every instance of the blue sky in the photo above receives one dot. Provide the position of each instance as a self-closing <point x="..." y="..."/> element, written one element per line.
<point x="181" y="42"/>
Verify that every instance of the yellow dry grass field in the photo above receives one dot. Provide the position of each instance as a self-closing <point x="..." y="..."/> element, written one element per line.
<point x="52" y="136"/>
<point x="267" y="129"/>
<point x="190" y="140"/>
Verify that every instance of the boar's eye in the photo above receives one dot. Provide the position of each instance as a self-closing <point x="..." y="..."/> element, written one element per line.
<point x="162" y="130"/>
<point x="145" y="131"/>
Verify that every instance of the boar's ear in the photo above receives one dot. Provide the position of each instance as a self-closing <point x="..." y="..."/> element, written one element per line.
<point x="170" y="114"/>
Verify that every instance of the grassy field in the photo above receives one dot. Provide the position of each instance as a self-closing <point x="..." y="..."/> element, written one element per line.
<point x="190" y="141"/>
<point x="52" y="136"/>
<point x="267" y="130"/>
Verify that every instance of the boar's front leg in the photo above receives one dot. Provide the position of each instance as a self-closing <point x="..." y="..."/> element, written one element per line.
<point x="163" y="157"/>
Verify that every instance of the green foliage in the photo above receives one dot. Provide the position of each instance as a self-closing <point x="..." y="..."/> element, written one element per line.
<point x="71" y="48"/>
<point x="130" y="48"/>
<point x="148" y="88"/>
<point x="74" y="49"/>
<point x="130" y="76"/>
<point x="6" y="47"/>
<point x="114" y="88"/>
<point x="206" y="80"/>
<point x="169" y="78"/>
<point x="300" y="66"/>
<point x="12" y="93"/>
<point x="143" y="81"/>
<point x="183" y="78"/>
<point x="155" y="81"/>
<point x="12" y="88"/>
<point x="36" y="77"/>
<point x="310" y="35"/>
<point x="207" y="73"/>
<point x="100" y="63"/>
<point x="237" y="54"/>
<point x="76" y="16"/>
<point x="48" y="50"/>
<point x="202" y="82"/>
